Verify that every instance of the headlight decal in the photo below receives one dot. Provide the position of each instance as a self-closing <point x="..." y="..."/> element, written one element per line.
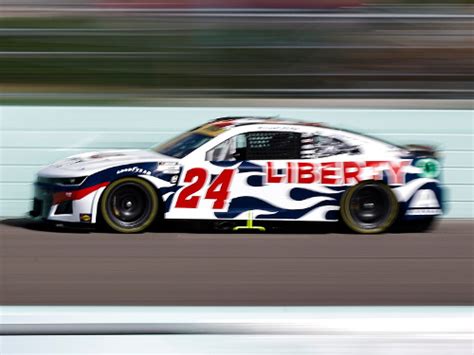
<point x="62" y="196"/>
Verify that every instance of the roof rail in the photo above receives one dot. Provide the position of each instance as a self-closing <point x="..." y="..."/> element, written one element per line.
<point x="276" y="119"/>
<point x="239" y="118"/>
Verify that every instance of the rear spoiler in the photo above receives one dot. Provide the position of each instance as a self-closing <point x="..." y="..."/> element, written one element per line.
<point x="422" y="151"/>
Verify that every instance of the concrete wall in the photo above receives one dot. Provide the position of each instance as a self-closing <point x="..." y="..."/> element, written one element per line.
<point x="32" y="137"/>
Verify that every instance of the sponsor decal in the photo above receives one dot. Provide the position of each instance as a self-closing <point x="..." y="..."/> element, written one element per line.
<point x="85" y="217"/>
<point x="134" y="170"/>
<point x="217" y="188"/>
<point x="168" y="167"/>
<point x="337" y="173"/>
<point x="430" y="168"/>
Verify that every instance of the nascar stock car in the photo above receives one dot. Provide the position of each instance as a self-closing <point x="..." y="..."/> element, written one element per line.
<point x="235" y="167"/>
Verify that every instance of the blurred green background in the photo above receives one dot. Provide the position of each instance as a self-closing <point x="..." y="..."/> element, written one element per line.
<point x="113" y="51"/>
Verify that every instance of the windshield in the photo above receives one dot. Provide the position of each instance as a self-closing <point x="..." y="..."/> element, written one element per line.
<point x="182" y="145"/>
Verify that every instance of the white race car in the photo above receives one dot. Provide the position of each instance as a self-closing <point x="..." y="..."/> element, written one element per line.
<point x="236" y="168"/>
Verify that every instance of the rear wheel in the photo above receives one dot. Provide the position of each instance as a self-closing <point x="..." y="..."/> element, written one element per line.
<point x="369" y="207"/>
<point x="129" y="205"/>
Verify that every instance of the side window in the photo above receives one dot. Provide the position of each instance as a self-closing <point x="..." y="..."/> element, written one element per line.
<point x="224" y="151"/>
<point x="258" y="146"/>
<point x="273" y="145"/>
<point x="325" y="146"/>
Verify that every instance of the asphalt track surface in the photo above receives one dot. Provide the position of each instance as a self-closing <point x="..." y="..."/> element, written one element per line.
<point x="44" y="266"/>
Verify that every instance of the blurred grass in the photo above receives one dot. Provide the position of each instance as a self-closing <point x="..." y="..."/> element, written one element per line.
<point x="46" y="22"/>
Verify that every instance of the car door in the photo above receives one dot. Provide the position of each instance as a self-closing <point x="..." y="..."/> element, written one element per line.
<point x="267" y="175"/>
<point x="262" y="167"/>
<point x="246" y="172"/>
<point x="283" y="175"/>
<point x="273" y="174"/>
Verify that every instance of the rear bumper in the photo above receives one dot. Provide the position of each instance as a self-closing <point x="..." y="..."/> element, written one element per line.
<point x="420" y="199"/>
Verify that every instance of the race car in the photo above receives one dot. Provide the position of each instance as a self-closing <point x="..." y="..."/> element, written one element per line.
<point x="236" y="168"/>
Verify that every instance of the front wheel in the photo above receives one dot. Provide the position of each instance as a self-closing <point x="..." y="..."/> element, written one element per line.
<point x="129" y="205"/>
<point x="369" y="207"/>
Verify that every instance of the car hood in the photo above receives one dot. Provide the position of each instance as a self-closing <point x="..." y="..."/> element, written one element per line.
<point x="89" y="163"/>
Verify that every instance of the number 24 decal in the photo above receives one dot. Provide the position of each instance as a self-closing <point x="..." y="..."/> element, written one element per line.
<point x="218" y="190"/>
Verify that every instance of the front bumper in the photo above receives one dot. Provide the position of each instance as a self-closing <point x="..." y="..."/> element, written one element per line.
<point x="67" y="205"/>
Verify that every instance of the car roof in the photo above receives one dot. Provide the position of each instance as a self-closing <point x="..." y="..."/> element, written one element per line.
<point x="222" y="124"/>
<point x="237" y="121"/>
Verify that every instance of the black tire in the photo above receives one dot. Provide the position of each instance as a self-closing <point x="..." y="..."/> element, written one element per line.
<point x="369" y="207"/>
<point x="129" y="205"/>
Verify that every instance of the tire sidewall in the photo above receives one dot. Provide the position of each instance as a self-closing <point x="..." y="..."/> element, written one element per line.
<point x="152" y="195"/>
<point x="349" y="221"/>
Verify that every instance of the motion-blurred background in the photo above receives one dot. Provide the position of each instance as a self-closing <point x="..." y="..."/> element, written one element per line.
<point x="236" y="57"/>
<point x="116" y="50"/>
